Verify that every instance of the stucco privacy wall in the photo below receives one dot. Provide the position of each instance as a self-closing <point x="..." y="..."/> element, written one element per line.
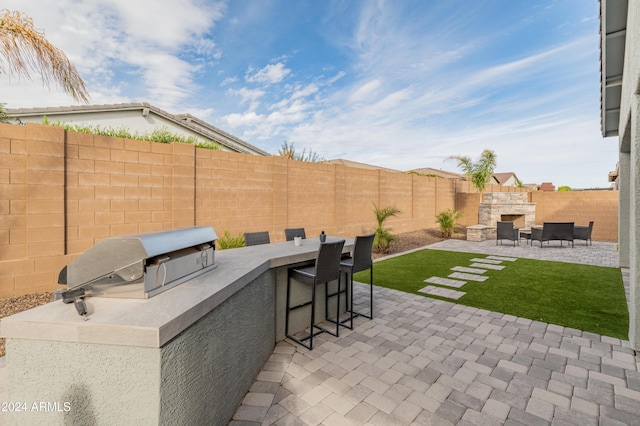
<point x="62" y="192"/>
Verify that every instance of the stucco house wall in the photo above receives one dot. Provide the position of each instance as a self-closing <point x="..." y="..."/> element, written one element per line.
<point x="620" y="57"/>
<point x="142" y="118"/>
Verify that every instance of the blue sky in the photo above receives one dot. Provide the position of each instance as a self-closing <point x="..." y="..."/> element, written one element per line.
<point x="401" y="84"/>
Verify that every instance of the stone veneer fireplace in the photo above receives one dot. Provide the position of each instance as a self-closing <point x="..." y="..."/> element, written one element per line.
<point x="507" y="206"/>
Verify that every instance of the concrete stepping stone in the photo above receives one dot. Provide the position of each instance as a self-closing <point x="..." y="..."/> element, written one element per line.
<point x="442" y="292"/>
<point x="468" y="277"/>
<point x="490" y="261"/>
<point x="445" y="281"/>
<point x="469" y="270"/>
<point x="488" y="266"/>
<point x="508" y="259"/>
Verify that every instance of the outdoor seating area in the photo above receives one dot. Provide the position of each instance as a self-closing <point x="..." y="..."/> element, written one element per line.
<point x="545" y="233"/>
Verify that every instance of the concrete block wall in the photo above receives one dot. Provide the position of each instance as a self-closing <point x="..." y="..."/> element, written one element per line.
<point x="580" y="207"/>
<point x="62" y="192"/>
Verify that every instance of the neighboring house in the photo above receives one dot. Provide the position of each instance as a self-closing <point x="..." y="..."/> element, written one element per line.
<point x="547" y="187"/>
<point x="620" y="103"/>
<point x="613" y="177"/>
<point x="428" y="171"/>
<point x="505" y="179"/>
<point x="349" y="163"/>
<point x="136" y="117"/>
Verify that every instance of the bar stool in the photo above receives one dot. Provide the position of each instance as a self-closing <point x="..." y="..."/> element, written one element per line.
<point x="256" y="238"/>
<point x="360" y="261"/>
<point x="326" y="269"/>
<point x="290" y="233"/>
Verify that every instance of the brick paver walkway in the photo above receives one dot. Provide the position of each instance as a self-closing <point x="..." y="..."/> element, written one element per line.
<point x="422" y="361"/>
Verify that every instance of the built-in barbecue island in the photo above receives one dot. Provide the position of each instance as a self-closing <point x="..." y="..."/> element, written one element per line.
<point x="182" y="355"/>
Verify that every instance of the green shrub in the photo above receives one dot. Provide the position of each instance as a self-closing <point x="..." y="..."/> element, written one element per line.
<point x="162" y="135"/>
<point x="384" y="237"/>
<point x="229" y="241"/>
<point x="447" y="221"/>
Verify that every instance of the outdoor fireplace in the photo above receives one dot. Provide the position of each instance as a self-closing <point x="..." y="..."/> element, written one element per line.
<point x="507" y="207"/>
<point x="517" y="219"/>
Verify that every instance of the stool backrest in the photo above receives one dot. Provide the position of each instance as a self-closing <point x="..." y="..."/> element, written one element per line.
<point x="256" y="238"/>
<point x="362" y="249"/>
<point x="328" y="261"/>
<point x="294" y="232"/>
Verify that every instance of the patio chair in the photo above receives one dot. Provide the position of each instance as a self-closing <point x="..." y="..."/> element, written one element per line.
<point x="361" y="261"/>
<point x="325" y="270"/>
<point x="506" y="231"/>
<point x="290" y="233"/>
<point x="583" y="233"/>
<point x="256" y="238"/>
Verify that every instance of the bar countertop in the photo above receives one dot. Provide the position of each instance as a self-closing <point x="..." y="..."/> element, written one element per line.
<point x="155" y="321"/>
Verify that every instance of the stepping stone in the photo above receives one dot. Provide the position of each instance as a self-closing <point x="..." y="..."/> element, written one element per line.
<point x="445" y="281"/>
<point x="469" y="277"/>
<point x="508" y="259"/>
<point x="442" y="292"/>
<point x="483" y="260"/>
<point x="488" y="266"/>
<point x="469" y="270"/>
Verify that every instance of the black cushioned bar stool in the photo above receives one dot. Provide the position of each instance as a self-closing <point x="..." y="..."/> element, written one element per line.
<point x="326" y="269"/>
<point x="360" y="261"/>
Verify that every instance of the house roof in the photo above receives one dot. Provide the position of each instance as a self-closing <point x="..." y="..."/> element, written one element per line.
<point x="501" y="178"/>
<point x="350" y="163"/>
<point x="547" y="186"/>
<point x="188" y="121"/>
<point x="613" y="30"/>
<point x="439" y="172"/>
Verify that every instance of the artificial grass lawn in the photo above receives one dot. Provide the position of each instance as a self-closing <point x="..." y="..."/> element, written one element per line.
<point x="585" y="297"/>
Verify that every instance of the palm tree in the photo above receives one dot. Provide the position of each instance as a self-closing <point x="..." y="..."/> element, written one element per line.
<point x="24" y="48"/>
<point x="383" y="234"/>
<point x="480" y="171"/>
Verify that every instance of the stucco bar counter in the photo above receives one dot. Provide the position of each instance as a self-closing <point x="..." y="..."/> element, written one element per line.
<point x="186" y="356"/>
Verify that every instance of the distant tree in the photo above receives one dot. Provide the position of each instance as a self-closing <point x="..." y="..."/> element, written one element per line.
<point x="289" y="151"/>
<point x="23" y="48"/>
<point x="564" y="188"/>
<point x="4" y="117"/>
<point x="480" y="171"/>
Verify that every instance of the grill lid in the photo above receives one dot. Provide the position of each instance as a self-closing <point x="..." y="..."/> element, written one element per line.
<point x="125" y="255"/>
<point x="138" y="265"/>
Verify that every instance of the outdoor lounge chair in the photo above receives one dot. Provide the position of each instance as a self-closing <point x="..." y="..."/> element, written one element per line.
<point x="506" y="231"/>
<point x="562" y="231"/>
<point x="583" y="233"/>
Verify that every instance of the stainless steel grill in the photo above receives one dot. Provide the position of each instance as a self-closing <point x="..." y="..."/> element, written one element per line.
<point x="140" y="265"/>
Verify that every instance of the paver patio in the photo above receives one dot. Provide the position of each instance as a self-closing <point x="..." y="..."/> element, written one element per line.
<point x="423" y="361"/>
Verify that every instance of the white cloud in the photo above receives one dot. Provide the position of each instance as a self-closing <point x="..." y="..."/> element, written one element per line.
<point x="103" y="38"/>
<point x="250" y="96"/>
<point x="270" y="74"/>
<point x="365" y="91"/>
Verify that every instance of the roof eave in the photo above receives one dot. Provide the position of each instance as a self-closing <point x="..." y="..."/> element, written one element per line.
<point x="613" y="23"/>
